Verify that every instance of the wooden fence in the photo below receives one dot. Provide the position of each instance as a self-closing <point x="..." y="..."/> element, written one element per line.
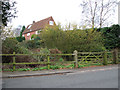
<point x="111" y="57"/>
<point x="79" y="58"/>
<point x="48" y="62"/>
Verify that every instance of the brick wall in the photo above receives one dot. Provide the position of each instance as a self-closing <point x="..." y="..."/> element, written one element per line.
<point x="28" y="37"/>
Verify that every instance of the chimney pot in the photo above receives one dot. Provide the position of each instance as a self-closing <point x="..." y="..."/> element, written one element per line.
<point x="33" y="21"/>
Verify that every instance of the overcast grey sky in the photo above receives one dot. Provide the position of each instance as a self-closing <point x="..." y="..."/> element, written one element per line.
<point x="63" y="11"/>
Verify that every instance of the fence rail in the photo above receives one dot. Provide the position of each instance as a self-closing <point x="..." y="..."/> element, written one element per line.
<point x="79" y="58"/>
<point x="36" y="54"/>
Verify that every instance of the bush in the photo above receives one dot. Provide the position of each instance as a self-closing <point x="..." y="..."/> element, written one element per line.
<point x="55" y="51"/>
<point x="70" y="40"/>
<point x="45" y="52"/>
<point x="35" y="37"/>
<point x="55" y="57"/>
<point x="31" y="44"/>
<point x="111" y="36"/>
<point x="20" y="39"/>
<point x="9" y="45"/>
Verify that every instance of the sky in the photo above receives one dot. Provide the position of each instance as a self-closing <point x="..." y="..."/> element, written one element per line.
<point x="63" y="11"/>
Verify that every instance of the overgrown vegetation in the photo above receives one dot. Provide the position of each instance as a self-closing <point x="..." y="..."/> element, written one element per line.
<point x="111" y="36"/>
<point x="53" y="67"/>
<point x="70" y="40"/>
<point x="55" y="40"/>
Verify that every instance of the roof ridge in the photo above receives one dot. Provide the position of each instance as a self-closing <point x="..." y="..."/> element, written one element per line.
<point x="44" y="19"/>
<point x="38" y="24"/>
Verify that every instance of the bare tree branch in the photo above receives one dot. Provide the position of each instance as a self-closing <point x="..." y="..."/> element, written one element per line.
<point x="96" y="11"/>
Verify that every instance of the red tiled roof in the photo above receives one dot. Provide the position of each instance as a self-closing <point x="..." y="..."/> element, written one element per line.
<point x="38" y="25"/>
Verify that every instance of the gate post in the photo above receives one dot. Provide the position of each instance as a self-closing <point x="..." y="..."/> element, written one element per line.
<point x="105" y="58"/>
<point x="115" y="56"/>
<point x="48" y="61"/>
<point x="75" y="58"/>
<point x="14" y="61"/>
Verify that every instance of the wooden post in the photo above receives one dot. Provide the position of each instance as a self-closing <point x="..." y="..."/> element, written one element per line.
<point x="48" y="60"/>
<point x="14" y="61"/>
<point x="115" y="56"/>
<point x="105" y="58"/>
<point x="75" y="58"/>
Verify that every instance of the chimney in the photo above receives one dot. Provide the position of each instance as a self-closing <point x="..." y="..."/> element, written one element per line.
<point x="33" y="22"/>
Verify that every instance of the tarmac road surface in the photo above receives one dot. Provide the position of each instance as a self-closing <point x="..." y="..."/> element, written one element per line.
<point x="106" y="77"/>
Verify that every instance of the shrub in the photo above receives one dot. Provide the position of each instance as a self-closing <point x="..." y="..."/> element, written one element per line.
<point x="9" y="45"/>
<point x="35" y="37"/>
<point x="32" y="44"/>
<point x="70" y="40"/>
<point x="55" y="51"/>
<point x="45" y="52"/>
<point x="20" y="39"/>
<point x="111" y="36"/>
<point x="61" y="59"/>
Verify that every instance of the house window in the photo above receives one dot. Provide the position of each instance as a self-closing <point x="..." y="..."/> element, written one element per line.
<point x="36" y="32"/>
<point x="28" y="34"/>
<point x="50" y="22"/>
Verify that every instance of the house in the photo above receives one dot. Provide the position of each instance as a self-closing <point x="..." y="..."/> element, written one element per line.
<point x="36" y="27"/>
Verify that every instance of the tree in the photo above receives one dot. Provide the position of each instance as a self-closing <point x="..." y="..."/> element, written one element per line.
<point x="23" y="28"/>
<point x="6" y="32"/>
<point x="21" y="38"/>
<point x="8" y="11"/>
<point x="111" y="36"/>
<point x="97" y="12"/>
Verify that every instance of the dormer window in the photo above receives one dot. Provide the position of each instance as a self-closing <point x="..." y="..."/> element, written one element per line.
<point x="51" y="23"/>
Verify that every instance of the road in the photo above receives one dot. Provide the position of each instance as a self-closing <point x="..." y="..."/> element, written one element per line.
<point x="96" y="78"/>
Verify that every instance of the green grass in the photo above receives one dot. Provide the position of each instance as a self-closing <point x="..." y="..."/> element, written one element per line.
<point x="71" y="65"/>
<point x="57" y="66"/>
<point x="8" y="70"/>
<point x="23" y="69"/>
